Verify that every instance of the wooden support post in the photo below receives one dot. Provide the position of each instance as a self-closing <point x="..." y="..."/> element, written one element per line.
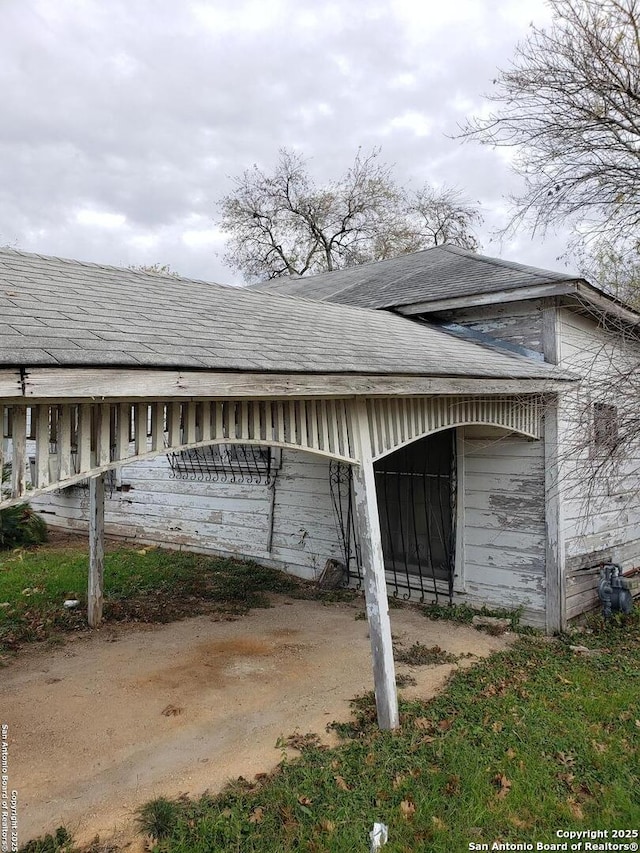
<point x="375" y="584"/>
<point x="96" y="550"/>
<point x="556" y="604"/>
<point x="19" y="445"/>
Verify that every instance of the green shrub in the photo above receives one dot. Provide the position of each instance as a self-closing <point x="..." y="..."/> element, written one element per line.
<point x="20" y="525"/>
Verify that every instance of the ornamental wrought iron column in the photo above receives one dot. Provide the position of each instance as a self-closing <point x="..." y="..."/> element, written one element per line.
<point x="374" y="580"/>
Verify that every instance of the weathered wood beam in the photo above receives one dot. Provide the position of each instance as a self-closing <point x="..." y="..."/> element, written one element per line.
<point x="10" y="382"/>
<point x="107" y="383"/>
<point x="375" y="585"/>
<point x="499" y="297"/>
<point x="42" y="446"/>
<point x="96" y="551"/>
<point x="556" y="584"/>
<point x="19" y="445"/>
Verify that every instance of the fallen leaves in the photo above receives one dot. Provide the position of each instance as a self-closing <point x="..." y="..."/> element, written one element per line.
<point x="341" y="783"/>
<point x="567" y="759"/>
<point x="298" y="741"/>
<point x="502" y="784"/>
<point x="304" y="803"/>
<point x="452" y="788"/>
<point x="407" y="809"/>
<point x="518" y="823"/>
<point x="575" y="808"/>
<point x="257" y="815"/>
<point x="171" y="711"/>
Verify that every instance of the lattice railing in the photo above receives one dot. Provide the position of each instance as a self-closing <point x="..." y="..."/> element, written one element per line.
<point x="395" y="422"/>
<point x="67" y="442"/>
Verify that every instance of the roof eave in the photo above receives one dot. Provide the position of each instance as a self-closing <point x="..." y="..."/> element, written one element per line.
<point x="35" y="384"/>
<point x="497" y="297"/>
<point x="606" y="305"/>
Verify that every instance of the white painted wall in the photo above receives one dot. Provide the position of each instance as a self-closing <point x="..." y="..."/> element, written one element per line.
<point x="502" y="563"/>
<point x="504" y="544"/>
<point x="217" y="518"/>
<point x="601" y="501"/>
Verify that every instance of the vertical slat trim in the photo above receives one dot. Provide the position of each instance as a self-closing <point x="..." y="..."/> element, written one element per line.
<point x="42" y="447"/>
<point x="64" y="443"/>
<point x="140" y="414"/>
<point x="304" y="413"/>
<point x="84" y="437"/>
<point x="103" y="434"/>
<point x="19" y="448"/>
<point x="218" y="426"/>
<point x="157" y="426"/>
<point x="174" y="417"/>
<point x="123" y="430"/>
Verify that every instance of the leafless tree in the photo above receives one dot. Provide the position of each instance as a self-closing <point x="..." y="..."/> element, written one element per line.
<point x="157" y="269"/>
<point x="614" y="267"/>
<point x="570" y="107"/>
<point x="282" y="223"/>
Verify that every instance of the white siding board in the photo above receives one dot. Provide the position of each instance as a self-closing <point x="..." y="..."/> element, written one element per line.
<point x="217" y="518"/>
<point x="504" y="548"/>
<point x="502" y="491"/>
<point x="601" y="512"/>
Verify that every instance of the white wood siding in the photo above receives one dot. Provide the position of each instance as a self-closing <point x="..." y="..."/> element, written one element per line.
<point x="504" y="541"/>
<point x="502" y="564"/>
<point x="601" y="509"/>
<point x="217" y="518"/>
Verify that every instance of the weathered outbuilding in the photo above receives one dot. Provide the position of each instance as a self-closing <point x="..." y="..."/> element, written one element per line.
<point x="413" y="419"/>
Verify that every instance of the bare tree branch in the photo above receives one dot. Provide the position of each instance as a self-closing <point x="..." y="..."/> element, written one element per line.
<point x="283" y="224"/>
<point x="570" y="106"/>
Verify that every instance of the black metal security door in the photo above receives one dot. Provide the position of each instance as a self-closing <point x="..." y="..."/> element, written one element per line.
<point x="416" y="498"/>
<point x="416" y="490"/>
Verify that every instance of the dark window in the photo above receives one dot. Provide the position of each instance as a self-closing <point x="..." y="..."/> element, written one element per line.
<point x="605" y="427"/>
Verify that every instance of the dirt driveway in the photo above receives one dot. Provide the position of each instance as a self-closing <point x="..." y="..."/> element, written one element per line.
<point x="108" y="721"/>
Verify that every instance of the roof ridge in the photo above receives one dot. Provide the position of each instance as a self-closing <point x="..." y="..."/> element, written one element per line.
<point x="511" y="265"/>
<point x="375" y="263"/>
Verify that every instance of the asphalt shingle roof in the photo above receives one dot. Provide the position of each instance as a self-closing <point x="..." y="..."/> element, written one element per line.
<point x="432" y="274"/>
<point x="60" y="312"/>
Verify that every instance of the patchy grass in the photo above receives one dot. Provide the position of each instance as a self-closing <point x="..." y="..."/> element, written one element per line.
<point x="464" y="614"/>
<point x="420" y="655"/>
<point x="144" y="585"/>
<point x="58" y="842"/>
<point x="529" y="741"/>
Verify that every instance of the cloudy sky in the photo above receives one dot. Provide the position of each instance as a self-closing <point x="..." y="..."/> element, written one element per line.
<point x="124" y="121"/>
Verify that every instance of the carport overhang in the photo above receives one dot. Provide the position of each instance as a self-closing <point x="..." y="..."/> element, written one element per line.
<point x="103" y="416"/>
